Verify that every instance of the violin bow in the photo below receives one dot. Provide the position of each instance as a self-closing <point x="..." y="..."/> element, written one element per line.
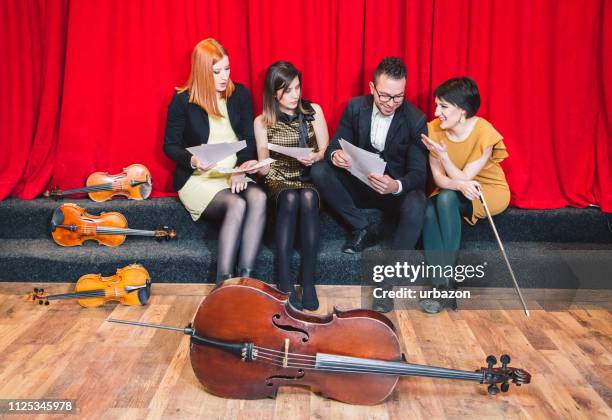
<point x="503" y="251"/>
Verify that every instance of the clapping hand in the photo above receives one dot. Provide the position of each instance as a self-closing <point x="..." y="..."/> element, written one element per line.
<point x="439" y="149"/>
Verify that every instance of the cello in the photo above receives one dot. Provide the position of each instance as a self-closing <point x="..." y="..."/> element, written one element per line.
<point x="71" y="225"/>
<point x="134" y="183"/>
<point x="246" y="341"/>
<point x="130" y="285"/>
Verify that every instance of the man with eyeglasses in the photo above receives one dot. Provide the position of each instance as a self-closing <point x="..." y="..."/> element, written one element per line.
<point x="386" y="124"/>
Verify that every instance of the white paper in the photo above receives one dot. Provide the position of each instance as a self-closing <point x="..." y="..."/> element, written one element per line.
<point x="215" y="153"/>
<point x="258" y="165"/>
<point x="363" y="162"/>
<point x="294" y="152"/>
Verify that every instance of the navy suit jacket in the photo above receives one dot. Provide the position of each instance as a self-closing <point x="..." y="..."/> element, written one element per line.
<point x="405" y="154"/>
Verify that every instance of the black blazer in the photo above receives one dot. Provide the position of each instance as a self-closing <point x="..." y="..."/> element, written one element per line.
<point x="187" y="125"/>
<point x="405" y="154"/>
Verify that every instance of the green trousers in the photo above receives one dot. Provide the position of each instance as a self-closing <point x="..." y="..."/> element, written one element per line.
<point x="442" y="231"/>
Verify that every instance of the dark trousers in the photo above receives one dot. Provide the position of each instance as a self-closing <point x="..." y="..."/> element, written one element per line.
<point x="346" y="194"/>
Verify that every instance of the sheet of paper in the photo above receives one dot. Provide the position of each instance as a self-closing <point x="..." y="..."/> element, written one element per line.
<point x="294" y="152"/>
<point x="363" y="162"/>
<point x="259" y="164"/>
<point x="215" y="153"/>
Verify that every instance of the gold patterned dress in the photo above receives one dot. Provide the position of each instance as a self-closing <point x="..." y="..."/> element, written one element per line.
<point x="491" y="177"/>
<point x="285" y="172"/>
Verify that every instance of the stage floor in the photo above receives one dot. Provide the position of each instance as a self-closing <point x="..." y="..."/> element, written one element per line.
<point x="63" y="351"/>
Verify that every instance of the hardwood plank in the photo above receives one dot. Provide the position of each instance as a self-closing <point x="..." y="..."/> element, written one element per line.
<point x="65" y="351"/>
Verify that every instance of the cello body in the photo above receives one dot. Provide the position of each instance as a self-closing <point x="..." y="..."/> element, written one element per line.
<point x="249" y="310"/>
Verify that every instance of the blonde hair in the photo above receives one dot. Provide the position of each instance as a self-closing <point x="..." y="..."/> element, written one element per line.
<point x="201" y="82"/>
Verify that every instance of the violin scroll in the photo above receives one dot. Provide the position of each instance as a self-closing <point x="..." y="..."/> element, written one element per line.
<point x="39" y="295"/>
<point x="165" y="233"/>
<point x="502" y="375"/>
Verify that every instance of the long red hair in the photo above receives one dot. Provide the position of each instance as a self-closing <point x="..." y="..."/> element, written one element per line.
<point x="201" y="83"/>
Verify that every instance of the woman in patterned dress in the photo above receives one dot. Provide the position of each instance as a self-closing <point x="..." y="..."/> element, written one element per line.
<point x="288" y="120"/>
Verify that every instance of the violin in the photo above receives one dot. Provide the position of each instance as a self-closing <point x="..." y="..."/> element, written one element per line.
<point x="247" y="341"/>
<point x="71" y="225"/>
<point x="134" y="183"/>
<point x="131" y="285"/>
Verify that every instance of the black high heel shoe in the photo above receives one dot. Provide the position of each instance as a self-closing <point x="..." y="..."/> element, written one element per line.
<point x="311" y="304"/>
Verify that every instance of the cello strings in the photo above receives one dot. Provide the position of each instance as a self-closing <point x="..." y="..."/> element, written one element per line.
<point x="382" y="371"/>
<point x="368" y="366"/>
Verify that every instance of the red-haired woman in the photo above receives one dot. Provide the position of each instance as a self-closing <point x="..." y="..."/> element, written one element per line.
<point x="211" y="109"/>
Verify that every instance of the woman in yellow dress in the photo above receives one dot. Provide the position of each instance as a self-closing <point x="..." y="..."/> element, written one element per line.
<point x="465" y="155"/>
<point x="211" y="109"/>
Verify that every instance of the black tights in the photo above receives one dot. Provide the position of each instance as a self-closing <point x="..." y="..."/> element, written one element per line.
<point x="305" y="200"/>
<point x="243" y="218"/>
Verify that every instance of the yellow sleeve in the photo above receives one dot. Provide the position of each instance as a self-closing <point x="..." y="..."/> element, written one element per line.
<point x="488" y="137"/>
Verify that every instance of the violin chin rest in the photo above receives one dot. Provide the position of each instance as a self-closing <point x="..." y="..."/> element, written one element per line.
<point x="57" y="219"/>
<point x="144" y="294"/>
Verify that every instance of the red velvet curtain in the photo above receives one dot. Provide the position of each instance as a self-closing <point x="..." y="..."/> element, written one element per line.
<point x="86" y="83"/>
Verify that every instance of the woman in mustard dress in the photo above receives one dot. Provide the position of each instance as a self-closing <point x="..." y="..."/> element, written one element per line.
<point x="465" y="155"/>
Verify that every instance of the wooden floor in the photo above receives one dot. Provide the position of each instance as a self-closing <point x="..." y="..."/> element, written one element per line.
<point x="114" y="371"/>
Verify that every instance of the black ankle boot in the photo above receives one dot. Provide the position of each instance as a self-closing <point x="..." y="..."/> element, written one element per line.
<point x="245" y="272"/>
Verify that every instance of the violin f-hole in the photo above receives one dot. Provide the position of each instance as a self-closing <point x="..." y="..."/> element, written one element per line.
<point x="275" y="320"/>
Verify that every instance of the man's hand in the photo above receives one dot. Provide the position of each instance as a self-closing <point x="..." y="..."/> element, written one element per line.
<point x="341" y="160"/>
<point x="201" y="165"/>
<point x="383" y="184"/>
<point x="238" y="183"/>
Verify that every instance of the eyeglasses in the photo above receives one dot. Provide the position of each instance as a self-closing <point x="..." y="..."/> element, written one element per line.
<point x="384" y="98"/>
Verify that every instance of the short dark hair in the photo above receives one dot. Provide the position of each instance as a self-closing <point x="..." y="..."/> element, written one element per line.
<point x="461" y="92"/>
<point x="391" y="66"/>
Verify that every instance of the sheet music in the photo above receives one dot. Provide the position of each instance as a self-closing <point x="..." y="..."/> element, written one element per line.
<point x="363" y="162"/>
<point x="259" y="164"/>
<point x="294" y="152"/>
<point x="215" y="153"/>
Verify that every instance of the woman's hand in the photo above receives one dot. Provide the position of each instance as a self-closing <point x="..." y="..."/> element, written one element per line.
<point x="439" y="149"/>
<point x="202" y="166"/>
<point x="248" y="164"/>
<point x="310" y="159"/>
<point x="238" y="183"/>
<point x="470" y="189"/>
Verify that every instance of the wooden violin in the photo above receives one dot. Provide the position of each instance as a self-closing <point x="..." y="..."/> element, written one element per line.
<point x="131" y="285"/>
<point x="134" y="183"/>
<point x="71" y="225"/>
<point x="247" y="341"/>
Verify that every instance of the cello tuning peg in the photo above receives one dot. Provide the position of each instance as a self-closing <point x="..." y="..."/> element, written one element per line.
<point x="46" y="302"/>
<point x="492" y="389"/>
<point x="491" y="361"/>
<point x="41" y="290"/>
<point x="505" y="359"/>
<point x="40" y="302"/>
<point x="505" y="387"/>
<point x="36" y="290"/>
